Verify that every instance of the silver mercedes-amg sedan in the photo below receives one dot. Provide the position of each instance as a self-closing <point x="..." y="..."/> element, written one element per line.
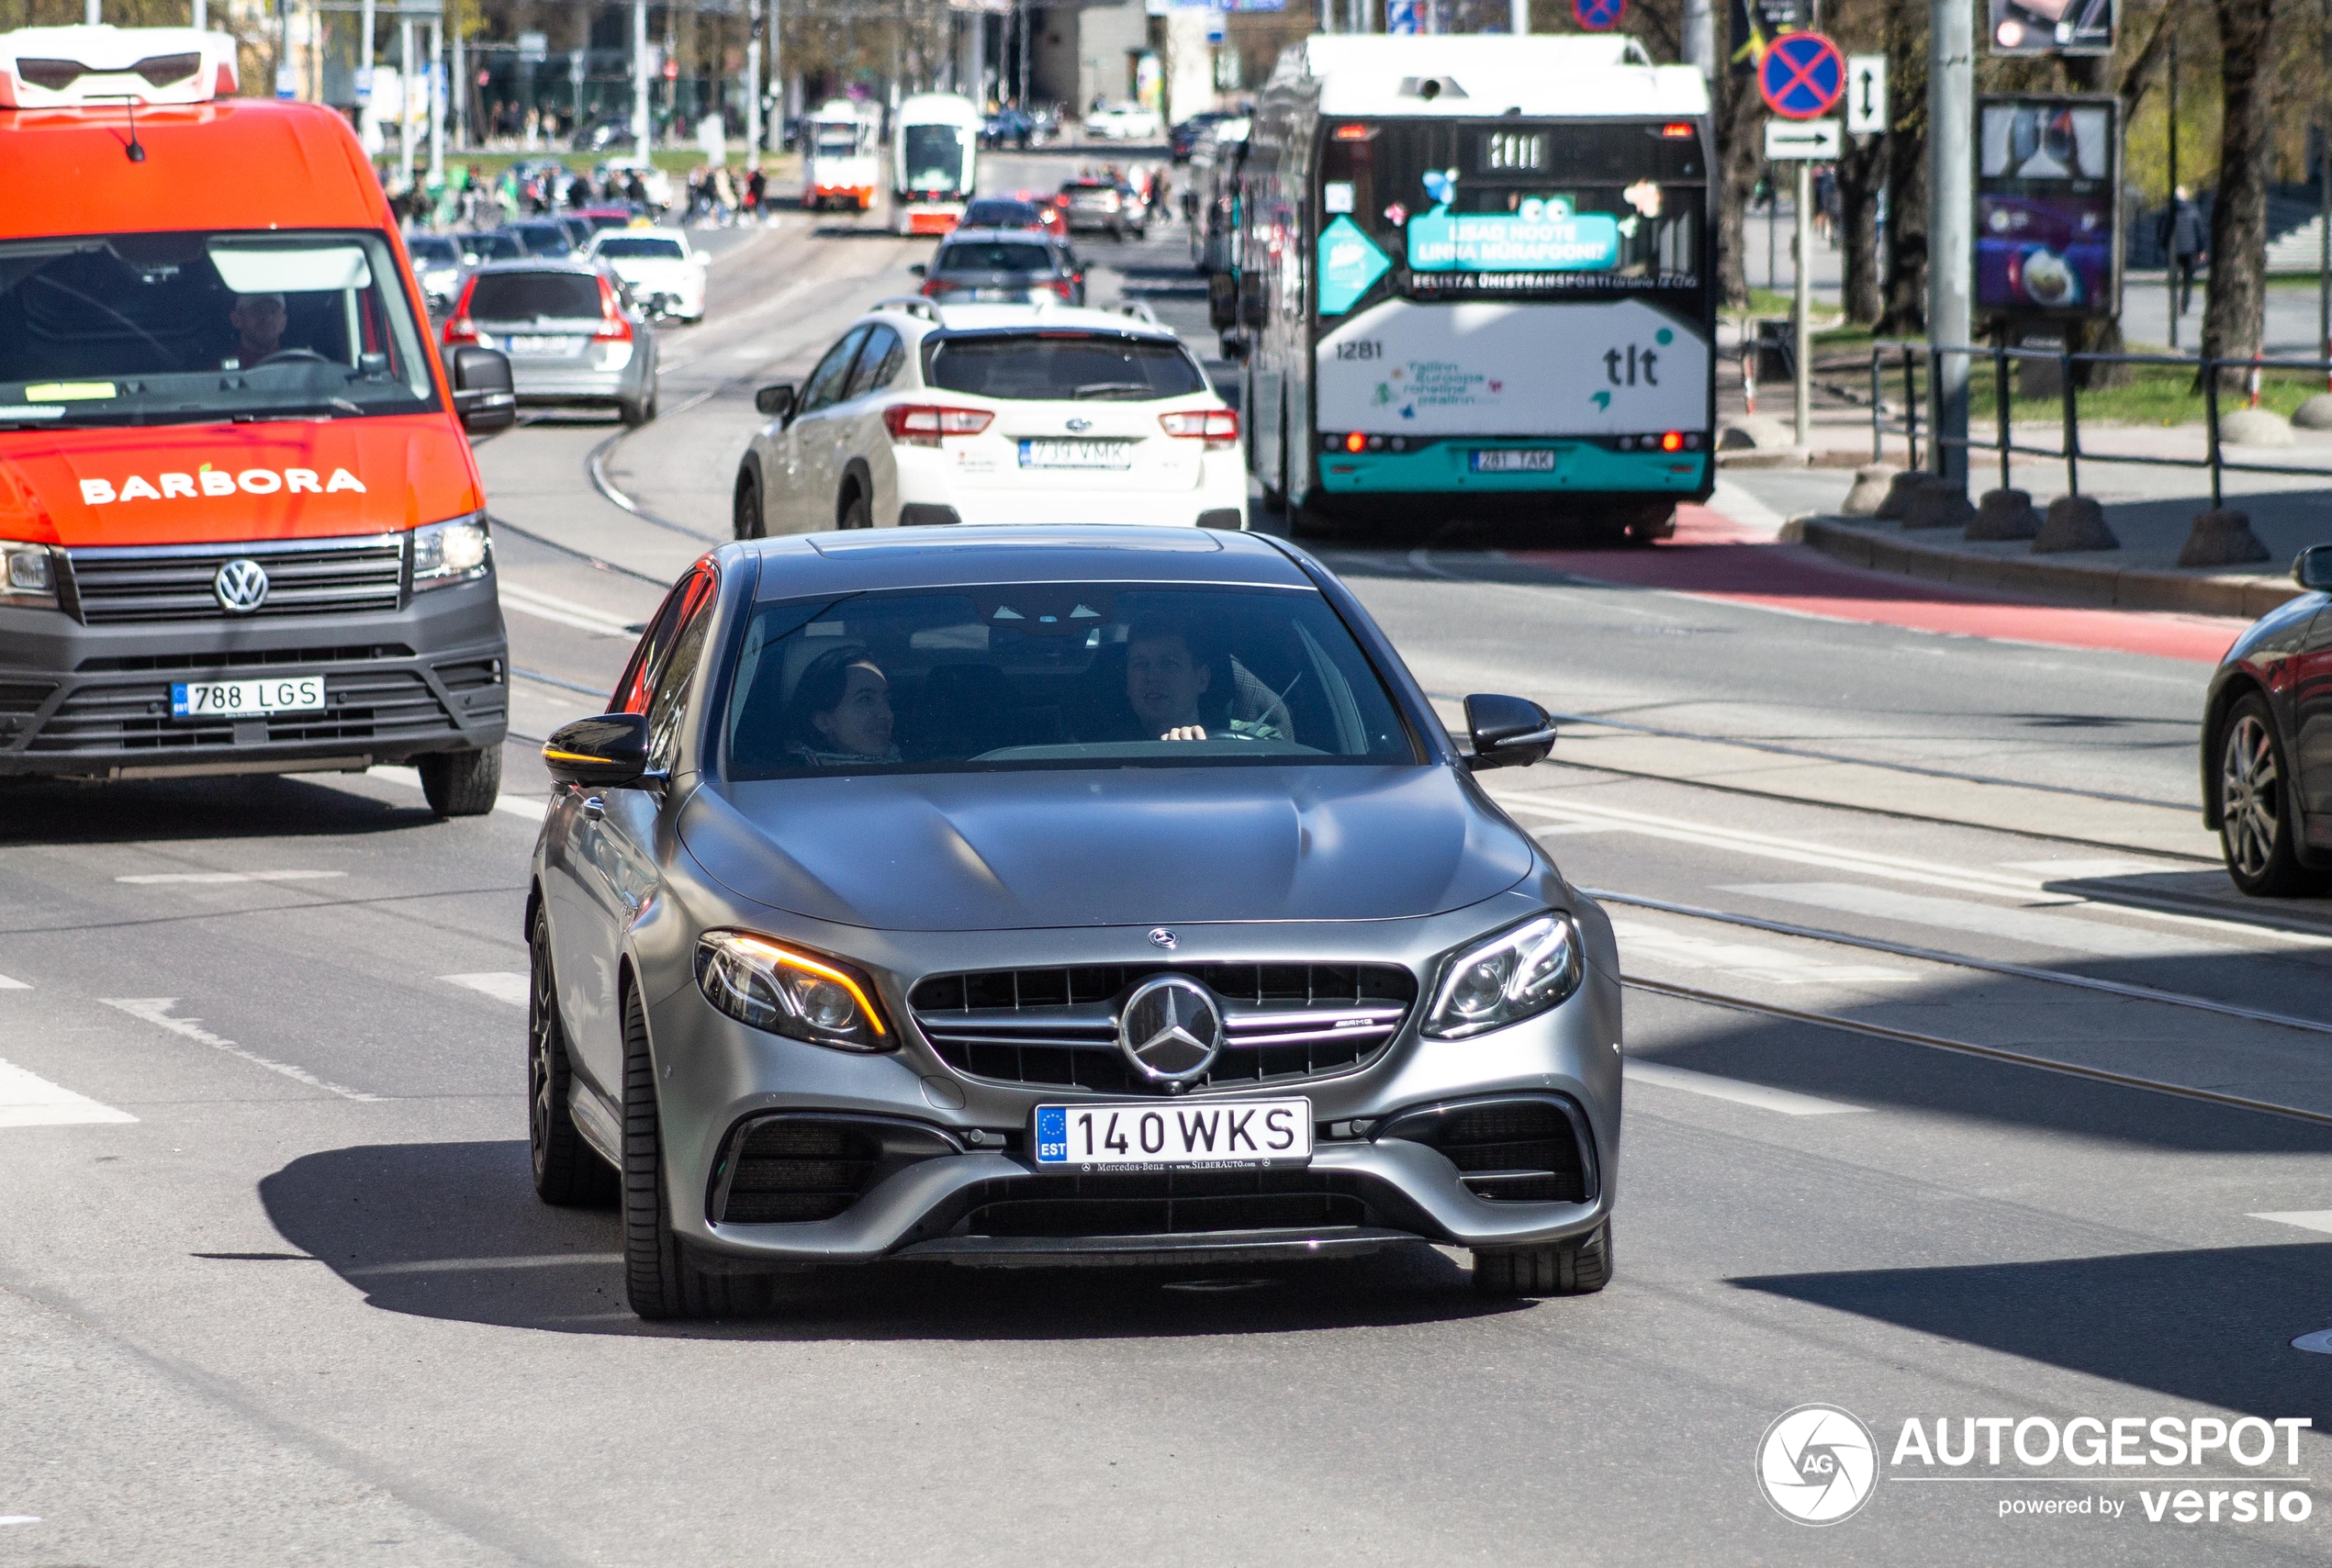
<point x="1049" y="896"/>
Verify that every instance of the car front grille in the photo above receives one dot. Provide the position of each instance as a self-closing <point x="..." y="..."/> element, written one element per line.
<point x="1176" y="1203"/>
<point x="210" y="659"/>
<point x="313" y="577"/>
<point x="1058" y="1027"/>
<point x="358" y="705"/>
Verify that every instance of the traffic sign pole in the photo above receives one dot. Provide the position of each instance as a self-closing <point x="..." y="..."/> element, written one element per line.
<point x="1800" y="307"/>
<point x="1951" y="243"/>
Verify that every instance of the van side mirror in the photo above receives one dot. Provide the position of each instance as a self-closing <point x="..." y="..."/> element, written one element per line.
<point x="2313" y="569"/>
<point x="484" y="398"/>
<point x="608" y="752"/>
<point x="775" y="402"/>
<point x="1507" y="732"/>
<point x="920" y="270"/>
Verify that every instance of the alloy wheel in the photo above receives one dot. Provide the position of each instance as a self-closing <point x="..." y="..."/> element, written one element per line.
<point x="539" y="1077"/>
<point x="2250" y="795"/>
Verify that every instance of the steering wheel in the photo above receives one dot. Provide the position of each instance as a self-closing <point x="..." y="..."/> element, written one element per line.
<point x="299" y="354"/>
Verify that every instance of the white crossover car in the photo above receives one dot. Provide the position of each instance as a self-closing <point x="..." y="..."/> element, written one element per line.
<point x="927" y="413"/>
<point x="653" y="261"/>
<point x="1125" y="122"/>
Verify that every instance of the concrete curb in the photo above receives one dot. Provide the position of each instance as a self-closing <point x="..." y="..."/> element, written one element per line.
<point x="2118" y="588"/>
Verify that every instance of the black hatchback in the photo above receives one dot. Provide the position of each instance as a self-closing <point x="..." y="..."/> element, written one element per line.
<point x="1003" y="267"/>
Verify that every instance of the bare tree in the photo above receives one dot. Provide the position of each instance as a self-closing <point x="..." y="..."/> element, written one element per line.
<point x="2233" y="316"/>
<point x="1741" y="116"/>
<point x="1905" y="306"/>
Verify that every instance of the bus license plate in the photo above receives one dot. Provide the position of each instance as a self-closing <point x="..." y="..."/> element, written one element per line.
<point x="1155" y="1135"/>
<point x="1507" y="461"/>
<point x="1077" y="454"/>
<point x="236" y="698"/>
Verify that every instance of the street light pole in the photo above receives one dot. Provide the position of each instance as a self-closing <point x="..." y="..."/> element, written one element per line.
<point x="2170" y="256"/>
<point x="640" y="128"/>
<point x="775" y="133"/>
<point x="1951" y="248"/>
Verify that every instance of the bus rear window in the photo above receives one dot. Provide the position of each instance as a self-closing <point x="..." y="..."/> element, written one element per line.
<point x="1058" y="366"/>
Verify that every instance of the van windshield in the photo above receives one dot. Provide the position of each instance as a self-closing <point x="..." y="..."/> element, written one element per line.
<point x="188" y="328"/>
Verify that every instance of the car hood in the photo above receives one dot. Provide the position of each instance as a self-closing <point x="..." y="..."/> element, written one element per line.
<point x="1126" y="846"/>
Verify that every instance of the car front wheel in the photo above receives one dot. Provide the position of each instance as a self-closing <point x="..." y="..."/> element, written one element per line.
<point x="1578" y="1267"/>
<point x="746" y="514"/>
<point x="2259" y="820"/>
<point x="660" y="1278"/>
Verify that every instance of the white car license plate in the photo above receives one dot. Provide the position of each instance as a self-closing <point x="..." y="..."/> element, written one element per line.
<point x="1512" y="461"/>
<point x="542" y="343"/>
<point x="1153" y="1135"/>
<point x="1116" y="455"/>
<point x="234" y="698"/>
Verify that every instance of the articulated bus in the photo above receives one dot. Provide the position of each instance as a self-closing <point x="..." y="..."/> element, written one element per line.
<point x="1477" y="277"/>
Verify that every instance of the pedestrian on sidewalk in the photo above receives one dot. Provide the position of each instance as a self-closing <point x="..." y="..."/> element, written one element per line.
<point x="2186" y="243"/>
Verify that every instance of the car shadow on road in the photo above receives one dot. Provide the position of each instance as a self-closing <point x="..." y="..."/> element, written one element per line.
<point x="244" y="806"/>
<point x="452" y="1230"/>
<point x="2214" y="1325"/>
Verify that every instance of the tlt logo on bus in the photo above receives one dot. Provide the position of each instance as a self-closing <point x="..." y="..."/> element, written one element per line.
<point x="1633" y="365"/>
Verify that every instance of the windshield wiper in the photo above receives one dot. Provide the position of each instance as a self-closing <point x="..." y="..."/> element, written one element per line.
<point x="1110" y="390"/>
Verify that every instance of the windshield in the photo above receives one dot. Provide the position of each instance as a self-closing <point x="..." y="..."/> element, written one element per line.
<point x="182" y="327"/>
<point x="489" y="248"/>
<point x="432" y="250"/>
<point x="1000" y="215"/>
<point x="992" y="256"/>
<point x="1056" y="364"/>
<point x="542" y="239"/>
<point x="833" y="140"/>
<point x="935" y="159"/>
<point x="1448" y="209"/>
<point x="1055" y="674"/>
<point x="527" y="297"/>
<point x="641" y="251"/>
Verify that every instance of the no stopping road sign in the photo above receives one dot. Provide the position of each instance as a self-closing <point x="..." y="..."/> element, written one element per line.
<point x="1801" y="76"/>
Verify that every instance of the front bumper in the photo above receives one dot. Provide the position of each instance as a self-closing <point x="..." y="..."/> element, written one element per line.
<point x="93" y="702"/>
<point x="957" y="1182"/>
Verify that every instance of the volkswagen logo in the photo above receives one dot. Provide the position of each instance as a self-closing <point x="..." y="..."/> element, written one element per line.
<point x="1161" y="938"/>
<point x="240" y="585"/>
<point x="1170" y="1029"/>
<point x="1080" y="426"/>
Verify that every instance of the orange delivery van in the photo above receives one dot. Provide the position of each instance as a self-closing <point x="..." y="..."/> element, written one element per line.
<point x="240" y="528"/>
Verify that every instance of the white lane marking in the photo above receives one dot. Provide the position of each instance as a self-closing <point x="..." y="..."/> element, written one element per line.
<point x="2307" y="1220"/>
<point x="1564" y="829"/>
<point x="27" y="1101"/>
<point x="565" y="612"/>
<point x="1777" y="966"/>
<point x="20" y="1518"/>
<point x="524" y="806"/>
<point x="1662" y="1076"/>
<point x="436" y="1265"/>
<point x="2079" y="870"/>
<point x="156" y="1009"/>
<point x="2069" y="933"/>
<point x="157" y="878"/>
<point x="502" y="987"/>
<point x="7" y="984"/>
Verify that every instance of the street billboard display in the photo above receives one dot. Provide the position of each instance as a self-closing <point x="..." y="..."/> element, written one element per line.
<point x="2047" y="228"/>
<point x="2052" y="27"/>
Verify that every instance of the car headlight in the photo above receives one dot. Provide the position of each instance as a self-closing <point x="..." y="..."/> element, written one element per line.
<point x="788" y="992"/>
<point x="1515" y="975"/>
<point x="28" y="576"/>
<point x="457" y="551"/>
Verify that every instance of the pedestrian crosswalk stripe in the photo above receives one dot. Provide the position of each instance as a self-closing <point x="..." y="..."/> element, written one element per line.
<point x="27" y="1101"/>
<point x="502" y="987"/>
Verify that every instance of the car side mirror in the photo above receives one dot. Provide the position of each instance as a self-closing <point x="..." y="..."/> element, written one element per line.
<point x="2313" y="569"/>
<point x="919" y="270"/>
<point x="1507" y="732"/>
<point x="775" y="402"/>
<point x="608" y="752"/>
<point x="484" y="398"/>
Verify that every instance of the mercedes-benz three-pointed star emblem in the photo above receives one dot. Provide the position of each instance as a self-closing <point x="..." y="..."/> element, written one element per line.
<point x="1170" y="1029"/>
<point x="240" y="586"/>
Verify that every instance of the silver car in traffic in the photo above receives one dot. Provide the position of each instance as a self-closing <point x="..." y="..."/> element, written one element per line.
<point x="1051" y="896"/>
<point x="572" y="331"/>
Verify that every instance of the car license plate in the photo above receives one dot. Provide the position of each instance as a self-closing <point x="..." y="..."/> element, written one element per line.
<point x="542" y="343"/>
<point x="1508" y="461"/>
<point x="1173" y="1134"/>
<point x="235" y="699"/>
<point x="1118" y="454"/>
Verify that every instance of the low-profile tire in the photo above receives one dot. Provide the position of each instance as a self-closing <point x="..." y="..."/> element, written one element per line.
<point x="461" y="783"/>
<point x="856" y="512"/>
<point x="567" y="1171"/>
<point x="636" y="411"/>
<point x="2258" y="813"/>
<point x="660" y="1279"/>
<point x="744" y="512"/>
<point x="1578" y="1267"/>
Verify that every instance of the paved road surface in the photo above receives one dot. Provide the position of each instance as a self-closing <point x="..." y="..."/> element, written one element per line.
<point x="1940" y="1007"/>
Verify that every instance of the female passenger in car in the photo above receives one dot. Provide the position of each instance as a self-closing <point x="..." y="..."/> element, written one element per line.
<point x="840" y="713"/>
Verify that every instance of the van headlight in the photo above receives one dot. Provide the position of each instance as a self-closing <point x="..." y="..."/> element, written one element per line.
<point x="456" y="551"/>
<point x="1515" y="975"/>
<point x="791" y="992"/>
<point x="28" y="576"/>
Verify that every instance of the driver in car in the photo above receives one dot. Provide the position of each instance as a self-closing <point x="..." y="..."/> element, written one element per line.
<point x="1165" y="680"/>
<point x="258" y="321"/>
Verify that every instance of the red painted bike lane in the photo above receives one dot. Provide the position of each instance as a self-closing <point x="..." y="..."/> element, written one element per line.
<point x="1712" y="556"/>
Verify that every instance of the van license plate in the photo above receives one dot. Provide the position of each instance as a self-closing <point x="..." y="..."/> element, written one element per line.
<point x="1172" y="1135"/>
<point x="1507" y="461"/>
<point x="246" y="698"/>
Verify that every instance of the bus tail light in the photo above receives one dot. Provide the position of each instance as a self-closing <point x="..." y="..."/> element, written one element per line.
<point x="1671" y="441"/>
<point x="1677" y="130"/>
<point x="923" y="425"/>
<point x="1218" y="428"/>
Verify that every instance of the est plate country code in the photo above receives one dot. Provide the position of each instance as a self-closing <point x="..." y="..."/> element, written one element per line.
<point x="1157" y="1136"/>
<point x="287" y="694"/>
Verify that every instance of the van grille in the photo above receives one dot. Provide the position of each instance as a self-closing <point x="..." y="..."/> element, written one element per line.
<point x="310" y="576"/>
<point x="1058" y="1027"/>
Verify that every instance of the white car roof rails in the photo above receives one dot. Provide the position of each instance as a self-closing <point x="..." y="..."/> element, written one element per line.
<point x="910" y="304"/>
